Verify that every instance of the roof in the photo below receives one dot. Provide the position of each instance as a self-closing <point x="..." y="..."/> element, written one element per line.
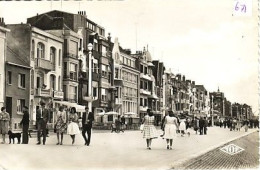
<point x="200" y="87"/>
<point x="15" y="58"/>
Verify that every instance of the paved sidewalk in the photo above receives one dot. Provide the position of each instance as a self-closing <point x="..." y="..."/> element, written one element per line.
<point x="217" y="159"/>
<point x="112" y="151"/>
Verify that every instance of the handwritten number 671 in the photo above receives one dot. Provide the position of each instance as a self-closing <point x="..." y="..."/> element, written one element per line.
<point x="241" y="7"/>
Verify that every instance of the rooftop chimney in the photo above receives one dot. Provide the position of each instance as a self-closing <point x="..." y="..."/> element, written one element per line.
<point x="193" y="82"/>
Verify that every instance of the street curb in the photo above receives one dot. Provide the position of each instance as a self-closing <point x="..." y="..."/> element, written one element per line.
<point x="178" y="163"/>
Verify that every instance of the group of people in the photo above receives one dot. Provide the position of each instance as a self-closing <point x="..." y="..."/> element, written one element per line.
<point x="119" y="125"/>
<point x="234" y="124"/>
<point x="171" y="125"/>
<point x="65" y="122"/>
<point x="150" y="132"/>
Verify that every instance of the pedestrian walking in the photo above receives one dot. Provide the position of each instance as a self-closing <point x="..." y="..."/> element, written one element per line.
<point x="25" y="123"/>
<point x="42" y="117"/>
<point x="163" y="123"/>
<point x="149" y="128"/>
<point x="88" y="118"/>
<point x="118" y="124"/>
<point x="61" y="124"/>
<point x="201" y="125"/>
<point x="196" y="124"/>
<point x="205" y="128"/>
<point x="238" y="125"/>
<point x="246" y="122"/>
<point x="123" y="126"/>
<point x="170" y="126"/>
<point x="73" y="127"/>
<point x="4" y="123"/>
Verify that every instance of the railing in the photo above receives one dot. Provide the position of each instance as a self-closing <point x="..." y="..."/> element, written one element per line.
<point x="145" y="76"/>
<point x="43" y="92"/>
<point x="69" y="55"/>
<point x="44" y="64"/>
<point x="118" y="101"/>
<point x="143" y="108"/>
<point x="58" y="94"/>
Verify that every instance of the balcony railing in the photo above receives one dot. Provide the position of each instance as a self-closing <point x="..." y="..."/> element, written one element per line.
<point x="70" y="55"/>
<point x="44" y="64"/>
<point x="58" y="94"/>
<point x="143" y="108"/>
<point x="146" y="76"/>
<point x="43" y="92"/>
<point x="118" y="101"/>
<point x="89" y="98"/>
<point x="142" y="91"/>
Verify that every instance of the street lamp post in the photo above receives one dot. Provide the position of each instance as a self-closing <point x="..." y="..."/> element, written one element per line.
<point x="90" y="47"/>
<point x="223" y="107"/>
<point x="231" y="110"/>
<point x="212" y="123"/>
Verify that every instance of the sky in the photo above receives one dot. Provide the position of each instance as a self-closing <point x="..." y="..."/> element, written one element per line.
<point x="200" y="39"/>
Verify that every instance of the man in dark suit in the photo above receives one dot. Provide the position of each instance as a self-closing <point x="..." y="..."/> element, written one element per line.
<point x="42" y="117"/>
<point x="25" y="123"/>
<point x="201" y="125"/>
<point x="87" y="120"/>
<point x="205" y="126"/>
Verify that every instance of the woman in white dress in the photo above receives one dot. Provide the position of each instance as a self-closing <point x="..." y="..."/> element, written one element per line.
<point x="73" y="127"/>
<point x="171" y="125"/>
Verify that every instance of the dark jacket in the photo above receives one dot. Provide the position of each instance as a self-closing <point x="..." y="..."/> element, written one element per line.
<point x="45" y="114"/>
<point x="90" y="118"/>
<point x="201" y="123"/>
<point x="25" y="120"/>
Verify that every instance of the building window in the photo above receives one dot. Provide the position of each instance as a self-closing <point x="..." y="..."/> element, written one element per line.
<point x="126" y="91"/>
<point x="116" y="73"/>
<point x="94" y="92"/>
<point x="20" y="105"/>
<point x="104" y="70"/>
<point x="145" y="102"/>
<point x="141" y="68"/>
<point x="33" y="48"/>
<point x="145" y="85"/>
<point x="52" y="55"/>
<point x="95" y="67"/>
<point x="110" y="118"/>
<point x="145" y="70"/>
<point x="59" y="84"/>
<point x="73" y="93"/>
<point x="21" y="80"/>
<point x="59" y="57"/>
<point x="103" y="95"/>
<point x="141" y="101"/>
<point x="73" y="71"/>
<point x="65" y="70"/>
<point x="9" y="77"/>
<point x="40" y="50"/>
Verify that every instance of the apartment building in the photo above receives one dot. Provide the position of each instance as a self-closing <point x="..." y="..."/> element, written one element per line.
<point x="42" y="51"/>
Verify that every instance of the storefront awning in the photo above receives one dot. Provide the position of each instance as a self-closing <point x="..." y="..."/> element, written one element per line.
<point x="79" y="108"/>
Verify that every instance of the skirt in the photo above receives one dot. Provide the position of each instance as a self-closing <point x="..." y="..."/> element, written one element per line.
<point x="182" y="126"/>
<point x="4" y="127"/>
<point x="169" y="131"/>
<point x="60" y="126"/>
<point x="149" y="132"/>
<point x="73" y="129"/>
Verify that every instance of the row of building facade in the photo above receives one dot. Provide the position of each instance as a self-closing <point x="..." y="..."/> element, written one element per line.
<point x="62" y="58"/>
